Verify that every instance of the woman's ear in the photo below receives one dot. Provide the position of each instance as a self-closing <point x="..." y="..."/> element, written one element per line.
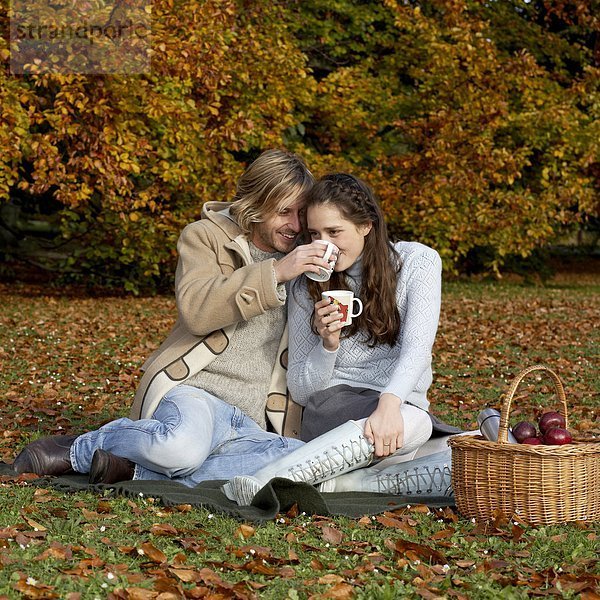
<point x="366" y="228"/>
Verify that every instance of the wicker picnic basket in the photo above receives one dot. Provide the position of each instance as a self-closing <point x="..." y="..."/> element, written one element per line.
<point x="540" y="484"/>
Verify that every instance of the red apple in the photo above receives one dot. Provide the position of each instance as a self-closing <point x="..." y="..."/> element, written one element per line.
<point x="549" y="420"/>
<point x="524" y="430"/>
<point x="532" y="441"/>
<point x="557" y="436"/>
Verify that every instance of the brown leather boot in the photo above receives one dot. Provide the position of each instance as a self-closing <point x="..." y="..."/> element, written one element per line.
<point x="109" y="468"/>
<point x="46" y="456"/>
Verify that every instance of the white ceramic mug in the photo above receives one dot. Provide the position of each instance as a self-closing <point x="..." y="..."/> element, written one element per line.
<point x="345" y="302"/>
<point x="330" y="255"/>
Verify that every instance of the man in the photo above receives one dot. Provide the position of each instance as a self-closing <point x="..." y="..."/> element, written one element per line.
<point x="199" y="412"/>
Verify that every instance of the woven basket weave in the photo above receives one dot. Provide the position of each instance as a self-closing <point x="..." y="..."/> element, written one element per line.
<point x="540" y="484"/>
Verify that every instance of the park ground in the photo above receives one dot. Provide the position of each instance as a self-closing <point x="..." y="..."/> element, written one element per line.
<point x="70" y="361"/>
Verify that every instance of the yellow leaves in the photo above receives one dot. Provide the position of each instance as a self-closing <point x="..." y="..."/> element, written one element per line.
<point x="245" y="531"/>
<point x="34" y="524"/>
<point x="85" y="191"/>
<point x="441" y="121"/>
<point x="127" y="162"/>
<point x="134" y="168"/>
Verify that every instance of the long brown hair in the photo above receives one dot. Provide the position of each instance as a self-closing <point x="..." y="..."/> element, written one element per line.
<point x="356" y="201"/>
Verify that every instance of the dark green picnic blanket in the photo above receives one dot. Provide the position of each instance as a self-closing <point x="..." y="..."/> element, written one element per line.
<point x="278" y="496"/>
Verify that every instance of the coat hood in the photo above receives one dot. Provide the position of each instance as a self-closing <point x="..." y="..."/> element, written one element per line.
<point x="219" y="214"/>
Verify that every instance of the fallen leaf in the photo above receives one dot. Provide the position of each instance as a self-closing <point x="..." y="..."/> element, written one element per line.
<point x="140" y="594"/>
<point x="330" y="578"/>
<point x="342" y="591"/>
<point x="397" y="524"/>
<point x="443" y="534"/>
<point x="332" y="535"/>
<point x="245" y="531"/>
<point x="420" y="551"/>
<point x="464" y="564"/>
<point x="37" y="526"/>
<point x="152" y="552"/>
<point x="33" y="589"/>
<point x="164" y="529"/>
<point x="187" y="575"/>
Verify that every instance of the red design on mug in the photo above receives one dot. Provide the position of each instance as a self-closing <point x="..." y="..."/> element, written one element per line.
<point x="343" y="308"/>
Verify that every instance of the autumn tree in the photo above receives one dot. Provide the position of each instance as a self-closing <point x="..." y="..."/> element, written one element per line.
<point x="128" y="159"/>
<point x="476" y="121"/>
<point x="470" y="143"/>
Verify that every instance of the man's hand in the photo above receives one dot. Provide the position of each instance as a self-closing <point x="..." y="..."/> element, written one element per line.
<point x="308" y="257"/>
<point x="385" y="427"/>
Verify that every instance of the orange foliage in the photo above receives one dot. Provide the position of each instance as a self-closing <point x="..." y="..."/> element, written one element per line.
<point x="468" y="144"/>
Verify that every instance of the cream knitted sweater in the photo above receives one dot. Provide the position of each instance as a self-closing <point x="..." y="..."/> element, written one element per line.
<point x="241" y="374"/>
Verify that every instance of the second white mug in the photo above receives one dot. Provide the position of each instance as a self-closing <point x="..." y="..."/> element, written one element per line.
<point x="330" y="255"/>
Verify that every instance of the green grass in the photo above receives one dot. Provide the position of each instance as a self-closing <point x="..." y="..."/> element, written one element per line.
<point x="70" y="362"/>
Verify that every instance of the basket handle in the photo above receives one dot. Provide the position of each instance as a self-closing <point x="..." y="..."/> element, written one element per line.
<point x="505" y="412"/>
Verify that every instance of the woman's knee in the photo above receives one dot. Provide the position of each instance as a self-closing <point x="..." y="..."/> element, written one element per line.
<point x="417" y="427"/>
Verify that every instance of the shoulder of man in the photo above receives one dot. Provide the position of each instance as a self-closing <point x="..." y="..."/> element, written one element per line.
<point x="215" y="216"/>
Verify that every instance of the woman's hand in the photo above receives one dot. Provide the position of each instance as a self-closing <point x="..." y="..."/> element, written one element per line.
<point x="328" y="322"/>
<point x="385" y="427"/>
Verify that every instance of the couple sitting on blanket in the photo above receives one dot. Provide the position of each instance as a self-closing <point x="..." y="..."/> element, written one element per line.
<point x="200" y="412"/>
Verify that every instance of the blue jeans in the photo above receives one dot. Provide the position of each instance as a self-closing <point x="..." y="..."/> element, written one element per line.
<point x="192" y="437"/>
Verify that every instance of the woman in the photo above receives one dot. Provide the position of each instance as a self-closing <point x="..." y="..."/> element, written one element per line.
<point x="379" y="367"/>
<point x="368" y="380"/>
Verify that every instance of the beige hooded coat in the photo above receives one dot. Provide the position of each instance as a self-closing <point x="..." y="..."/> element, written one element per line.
<point x="217" y="285"/>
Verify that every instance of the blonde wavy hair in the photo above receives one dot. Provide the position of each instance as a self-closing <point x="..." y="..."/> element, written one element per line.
<point x="271" y="183"/>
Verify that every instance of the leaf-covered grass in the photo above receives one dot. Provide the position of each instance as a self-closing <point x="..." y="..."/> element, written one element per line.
<point x="70" y="362"/>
